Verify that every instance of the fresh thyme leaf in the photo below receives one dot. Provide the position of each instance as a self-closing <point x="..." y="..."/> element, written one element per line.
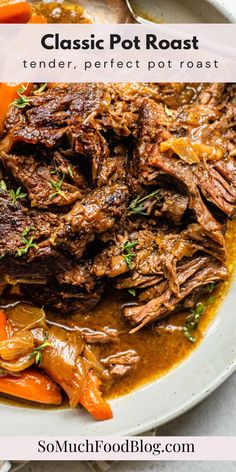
<point x="212" y="286"/>
<point x="23" y="100"/>
<point x="57" y="171"/>
<point x="137" y="206"/>
<point x="132" y="292"/>
<point x="14" y="194"/>
<point x="127" y="253"/>
<point x="56" y="185"/>
<point x="188" y="334"/>
<point x="41" y="89"/>
<point x="37" y="352"/>
<point x="27" y="230"/>
<point x="17" y="195"/>
<point x="192" y="321"/>
<point x="3" y="185"/>
<point x="23" y="88"/>
<point x="28" y="243"/>
<point x="168" y="112"/>
<point x="70" y="172"/>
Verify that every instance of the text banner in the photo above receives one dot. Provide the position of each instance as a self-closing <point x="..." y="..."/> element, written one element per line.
<point x="118" y="53"/>
<point x="118" y="448"/>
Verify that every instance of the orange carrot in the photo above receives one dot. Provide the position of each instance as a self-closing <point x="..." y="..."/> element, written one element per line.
<point x="3" y="326"/>
<point x="91" y="399"/>
<point x="8" y="93"/>
<point x="37" y="19"/>
<point x="15" y="11"/>
<point x="31" y="385"/>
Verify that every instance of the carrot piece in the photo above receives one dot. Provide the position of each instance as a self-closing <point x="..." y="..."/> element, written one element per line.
<point x="91" y="399"/>
<point x="3" y="325"/>
<point x="37" y="19"/>
<point x="32" y="385"/>
<point x="8" y="93"/>
<point x="15" y="11"/>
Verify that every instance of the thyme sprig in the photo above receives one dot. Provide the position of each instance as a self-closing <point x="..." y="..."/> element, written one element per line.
<point x="17" y="194"/>
<point x="192" y="321"/>
<point x="3" y="185"/>
<point x="212" y="286"/>
<point x="41" y="89"/>
<point x="28" y="242"/>
<point x="23" y="100"/>
<point x="128" y="254"/>
<point x="37" y="352"/>
<point x="55" y="171"/>
<point x="137" y="206"/>
<point x="14" y="194"/>
<point x="56" y="185"/>
<point x="70" y="171"/>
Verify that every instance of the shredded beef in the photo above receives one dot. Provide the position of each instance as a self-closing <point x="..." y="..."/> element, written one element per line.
<point x="122" y="185"/>
<point x="121" y="363"/>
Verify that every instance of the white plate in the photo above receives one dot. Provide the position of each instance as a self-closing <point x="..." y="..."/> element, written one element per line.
<point x="162" y="400"/>
<point x="187" y="11"/>
<point x="169" y="11"/>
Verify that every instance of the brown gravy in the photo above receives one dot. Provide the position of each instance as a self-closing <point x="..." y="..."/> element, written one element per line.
<point x="161" y="347"/>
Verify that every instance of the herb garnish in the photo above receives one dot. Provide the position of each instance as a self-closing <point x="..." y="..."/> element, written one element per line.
<point x="23" y="100"/>
<point x="41" y="89"/>
<point x="57" y="187"/>
<point x="137" y="206"/>
<point x="55" y="171"/>
<point x="17" y="195"/>
<point x="70" y="172"/>
<point x="192" y="321"/>
<point x="37" y="352"/>
<point x="168" y="112"/>
<point x="132" y="292"/>
<point x="28" y="243"/>
<point x="212" y="286"/>
<point x="127" y="253"/>
<point x="3" y="185"/>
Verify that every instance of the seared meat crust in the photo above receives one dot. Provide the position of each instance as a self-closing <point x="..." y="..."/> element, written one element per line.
<point x="128" y="185"/>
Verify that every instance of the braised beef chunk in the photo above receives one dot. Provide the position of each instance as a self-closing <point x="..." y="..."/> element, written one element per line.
<point x="174" y="205"/>
<point x="48" y="118"/>
<point x="211" y="94"/>
<point x="199" y="272"/>
<point x="63" y="297"/>
<point x="45" y="185"/>
<point x="95" y="214"/>
<point x="26" y="254"/>
<point x="73" y="289"/>
<point x="120" y="186"/>
<point x="150" y="135"/>
<point x="13" y="220"/>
